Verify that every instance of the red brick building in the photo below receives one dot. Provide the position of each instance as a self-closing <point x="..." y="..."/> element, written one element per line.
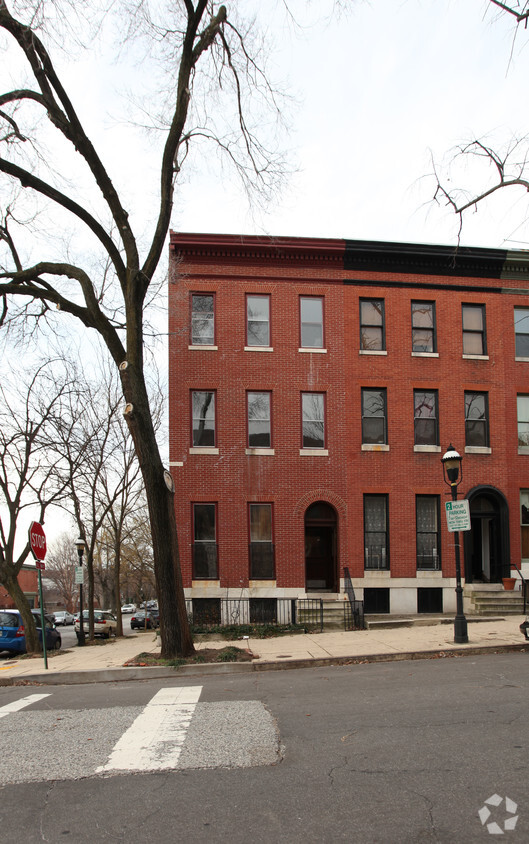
<point x="314" y="387"/>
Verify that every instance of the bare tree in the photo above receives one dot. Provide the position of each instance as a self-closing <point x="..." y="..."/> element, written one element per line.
<point x="30" y="472"/>
<point x="212" y="66"/>
<point x="61" y="560"/>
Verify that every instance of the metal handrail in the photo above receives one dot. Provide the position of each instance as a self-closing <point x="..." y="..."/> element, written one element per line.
<point x="524" y="586"/>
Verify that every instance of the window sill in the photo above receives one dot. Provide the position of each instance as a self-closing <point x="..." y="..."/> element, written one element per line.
<point x="316" y="350"/>
<point x="313" y="452"/>
<point x="263" y="583"/>
<point x="209" y="582"/>
<point x="205" y="449"/>
<point x="382" y="352"/>
<point x="524" y="360"/>
<point x="258" y="349"/>
<point x="204" y="348"/>
<point x="375" y="447"/>
<point x="178" y="463"/>
<point x="475" y="357"/>
<point x="477" y="449"/>
<point x="259" y="451"/>
<point x="425" y="354"/>
<point x="523" y="449"/>
<point x="379" y="572"/>
<point x="427" y="448"/>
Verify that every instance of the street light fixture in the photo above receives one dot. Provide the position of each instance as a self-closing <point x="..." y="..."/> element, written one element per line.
<point x="80" y="545"/>
<point x="453" y="475"/>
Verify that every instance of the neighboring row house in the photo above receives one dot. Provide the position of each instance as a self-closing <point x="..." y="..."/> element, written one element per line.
<point x="314" y="387"/>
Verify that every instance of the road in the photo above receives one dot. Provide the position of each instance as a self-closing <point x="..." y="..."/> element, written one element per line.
<point x="396" y="752"/>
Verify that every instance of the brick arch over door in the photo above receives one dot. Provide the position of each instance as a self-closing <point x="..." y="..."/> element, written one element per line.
<point x="321" y="547"/>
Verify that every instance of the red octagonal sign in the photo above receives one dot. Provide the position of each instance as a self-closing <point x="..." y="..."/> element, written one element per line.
<point x="37" y="540"/>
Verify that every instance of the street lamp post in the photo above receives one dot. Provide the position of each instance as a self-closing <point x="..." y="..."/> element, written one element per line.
<point x="453" y="475"/>
<point x="79" y="544"/>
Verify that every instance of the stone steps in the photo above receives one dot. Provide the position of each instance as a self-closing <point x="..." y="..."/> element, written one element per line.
<point x="495" y="602"/>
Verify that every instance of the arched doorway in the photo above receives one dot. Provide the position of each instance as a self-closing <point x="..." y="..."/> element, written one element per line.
<point x="486" y="544"/>
<point x="320" y="548"/>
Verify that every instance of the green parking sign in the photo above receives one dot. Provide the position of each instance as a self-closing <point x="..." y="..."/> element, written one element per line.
<point x="457" y="515"/>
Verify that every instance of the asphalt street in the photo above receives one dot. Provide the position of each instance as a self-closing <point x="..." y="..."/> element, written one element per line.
<point x="395" y="752"/>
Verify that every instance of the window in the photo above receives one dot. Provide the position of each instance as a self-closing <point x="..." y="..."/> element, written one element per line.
<point x="476" y="420"/>
<point x="374" y="428"/>
<point x="313" y="412"/>
<point x="206" y="612"/>
<point x="376" y="540"/>
<point x="423" y="338"/>
<point x="372" y="327"/>
<point x="524" y="521"/>
<point x="429" y="599"/>
<point x="261" y="545"/>
<point x="202" y="319"/>
<point x="263" y="611"/>
<point x="523" y="421"/>
<point x="205" y="565"/>
<point x="259" y="423"/>
<point x="311" y="315"/>
<point x="376" y="601"/>
<point x="203" y="411"/>
<point x="426" y="417"/>
<point x="521" y="332"/>
<point x="258" y="320"/>
<point x="428" y="535"/>
<point x="474" y="335"/>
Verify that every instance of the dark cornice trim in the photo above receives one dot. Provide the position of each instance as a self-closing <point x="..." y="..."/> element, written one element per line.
<point x="424" y="259"/>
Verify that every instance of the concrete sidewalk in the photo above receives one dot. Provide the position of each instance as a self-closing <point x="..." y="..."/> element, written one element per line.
<point x="411" y="639"/>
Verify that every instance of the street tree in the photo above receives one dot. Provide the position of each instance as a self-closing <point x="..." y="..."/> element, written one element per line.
<point x="206" y="85"/>
<point x="61" y="560"/>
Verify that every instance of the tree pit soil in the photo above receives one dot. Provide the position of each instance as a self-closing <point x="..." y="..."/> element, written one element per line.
<point x="202" y="656"/>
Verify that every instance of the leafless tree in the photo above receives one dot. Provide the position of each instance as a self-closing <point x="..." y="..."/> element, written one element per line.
<point x="209" y="87"/>
<point x="61" y="560"/>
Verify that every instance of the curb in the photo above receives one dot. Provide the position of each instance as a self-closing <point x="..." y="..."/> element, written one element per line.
<point x="116" y="675"/>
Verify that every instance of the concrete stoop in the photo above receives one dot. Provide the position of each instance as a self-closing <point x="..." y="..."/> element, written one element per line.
<point x="333" y="612"/>
<point x="493" y="600"/>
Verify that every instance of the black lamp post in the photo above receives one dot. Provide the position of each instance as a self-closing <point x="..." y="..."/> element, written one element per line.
<point x="79" y="544"/>
<point x="453" y="475"/>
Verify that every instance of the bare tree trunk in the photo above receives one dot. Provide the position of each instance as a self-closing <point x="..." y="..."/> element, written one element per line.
<point x="30" y="628"/>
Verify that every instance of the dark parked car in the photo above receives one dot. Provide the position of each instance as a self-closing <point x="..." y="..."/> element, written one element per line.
<point x="145" y="620"/>
<point x="12" y="635"/>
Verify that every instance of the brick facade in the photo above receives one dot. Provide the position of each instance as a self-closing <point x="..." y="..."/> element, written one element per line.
<point x="230" y="475"/>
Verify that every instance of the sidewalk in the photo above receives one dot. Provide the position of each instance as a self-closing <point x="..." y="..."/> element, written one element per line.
<point x="103" y="663"/>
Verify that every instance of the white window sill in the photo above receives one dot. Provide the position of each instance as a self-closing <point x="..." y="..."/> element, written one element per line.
<point x="372" y="352"/>
<point x="313" y="452"/>
<point x="427" y="448"/>
<point x="425" y="354"/>
<point x="523" y="449"/>
<point x="178" y="463"/>
<point x="316" y="350"/>
<point x="475" y="357"/>
<point x="259" y="451"/>
<point x="375" y="447"/>
<point x="258" y="349"/>
<point x="205" y="449"/>
<point x="477" y="449"/>
<point x="204" y="348"/>
<point x="524" y="360"/>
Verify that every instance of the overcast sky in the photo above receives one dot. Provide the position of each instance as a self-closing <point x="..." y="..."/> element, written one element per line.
<point x="381" y="89"/>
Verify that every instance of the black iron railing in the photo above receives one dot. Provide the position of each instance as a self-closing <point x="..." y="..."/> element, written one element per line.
<point x="354" y="614"/>
<point x="525" y="589"/>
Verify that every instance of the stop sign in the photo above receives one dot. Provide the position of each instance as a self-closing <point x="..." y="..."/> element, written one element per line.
<point x="37" y="540"/>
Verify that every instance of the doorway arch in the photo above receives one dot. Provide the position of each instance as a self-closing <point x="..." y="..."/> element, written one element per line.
<point x="321" y="535"/>
<point x="486" y="544"/>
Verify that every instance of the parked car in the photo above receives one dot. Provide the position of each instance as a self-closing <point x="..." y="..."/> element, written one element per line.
<point x="145" y="619"/>
<point x="12" y="636"/>
<point x="126" y="608"/>
<point x="105" y="624"/>
<point x="63" y="618"/>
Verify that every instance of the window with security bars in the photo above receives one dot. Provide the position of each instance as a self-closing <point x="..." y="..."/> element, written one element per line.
<point x="425" y="413"/>
<point x="521" y="332"/>
<point x="522" y="402"/>
<point x="313" y="420"/>
<point x="372" y="325"/>
<point x="423" y="337"/>
<point x="205" y="556"/>
<point x="259" y="421"/>
<point x="476" y="419"/>
<point x="374" y="418"/>
<point x="474" y="334"/>
<point x="258" y="320"/>
<point x="376" y="537"/>
<point x="202" y="319"/>
<point x="203" y="413"/>
<point x="311" y="315"/>
<point x="262" y="558"/>
<point x="428" y="534"/>
<point x="524" y="522"/>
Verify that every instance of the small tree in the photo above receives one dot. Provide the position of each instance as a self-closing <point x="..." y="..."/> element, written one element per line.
<point x="61" y="560"/>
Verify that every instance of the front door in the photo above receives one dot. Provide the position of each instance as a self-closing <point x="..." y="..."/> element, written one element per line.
<point x="320" y="548"/>
<point x="486" y="543"/>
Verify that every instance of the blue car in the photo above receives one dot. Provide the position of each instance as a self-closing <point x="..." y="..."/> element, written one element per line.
<point x="12" y="638"/>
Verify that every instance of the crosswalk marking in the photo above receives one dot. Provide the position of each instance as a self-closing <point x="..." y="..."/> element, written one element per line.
<point x="154" y="741"/>
<point x="20" y="704"/>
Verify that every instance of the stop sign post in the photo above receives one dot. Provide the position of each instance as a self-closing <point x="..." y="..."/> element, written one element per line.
<point x="37" y="543"/>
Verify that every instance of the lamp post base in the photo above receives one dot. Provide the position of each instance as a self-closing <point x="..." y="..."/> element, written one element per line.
<point x="460" y="630"/>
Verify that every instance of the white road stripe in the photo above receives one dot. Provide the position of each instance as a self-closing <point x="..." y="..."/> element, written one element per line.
<point x="154" y="741"/>
<point x="20" y="704"/>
